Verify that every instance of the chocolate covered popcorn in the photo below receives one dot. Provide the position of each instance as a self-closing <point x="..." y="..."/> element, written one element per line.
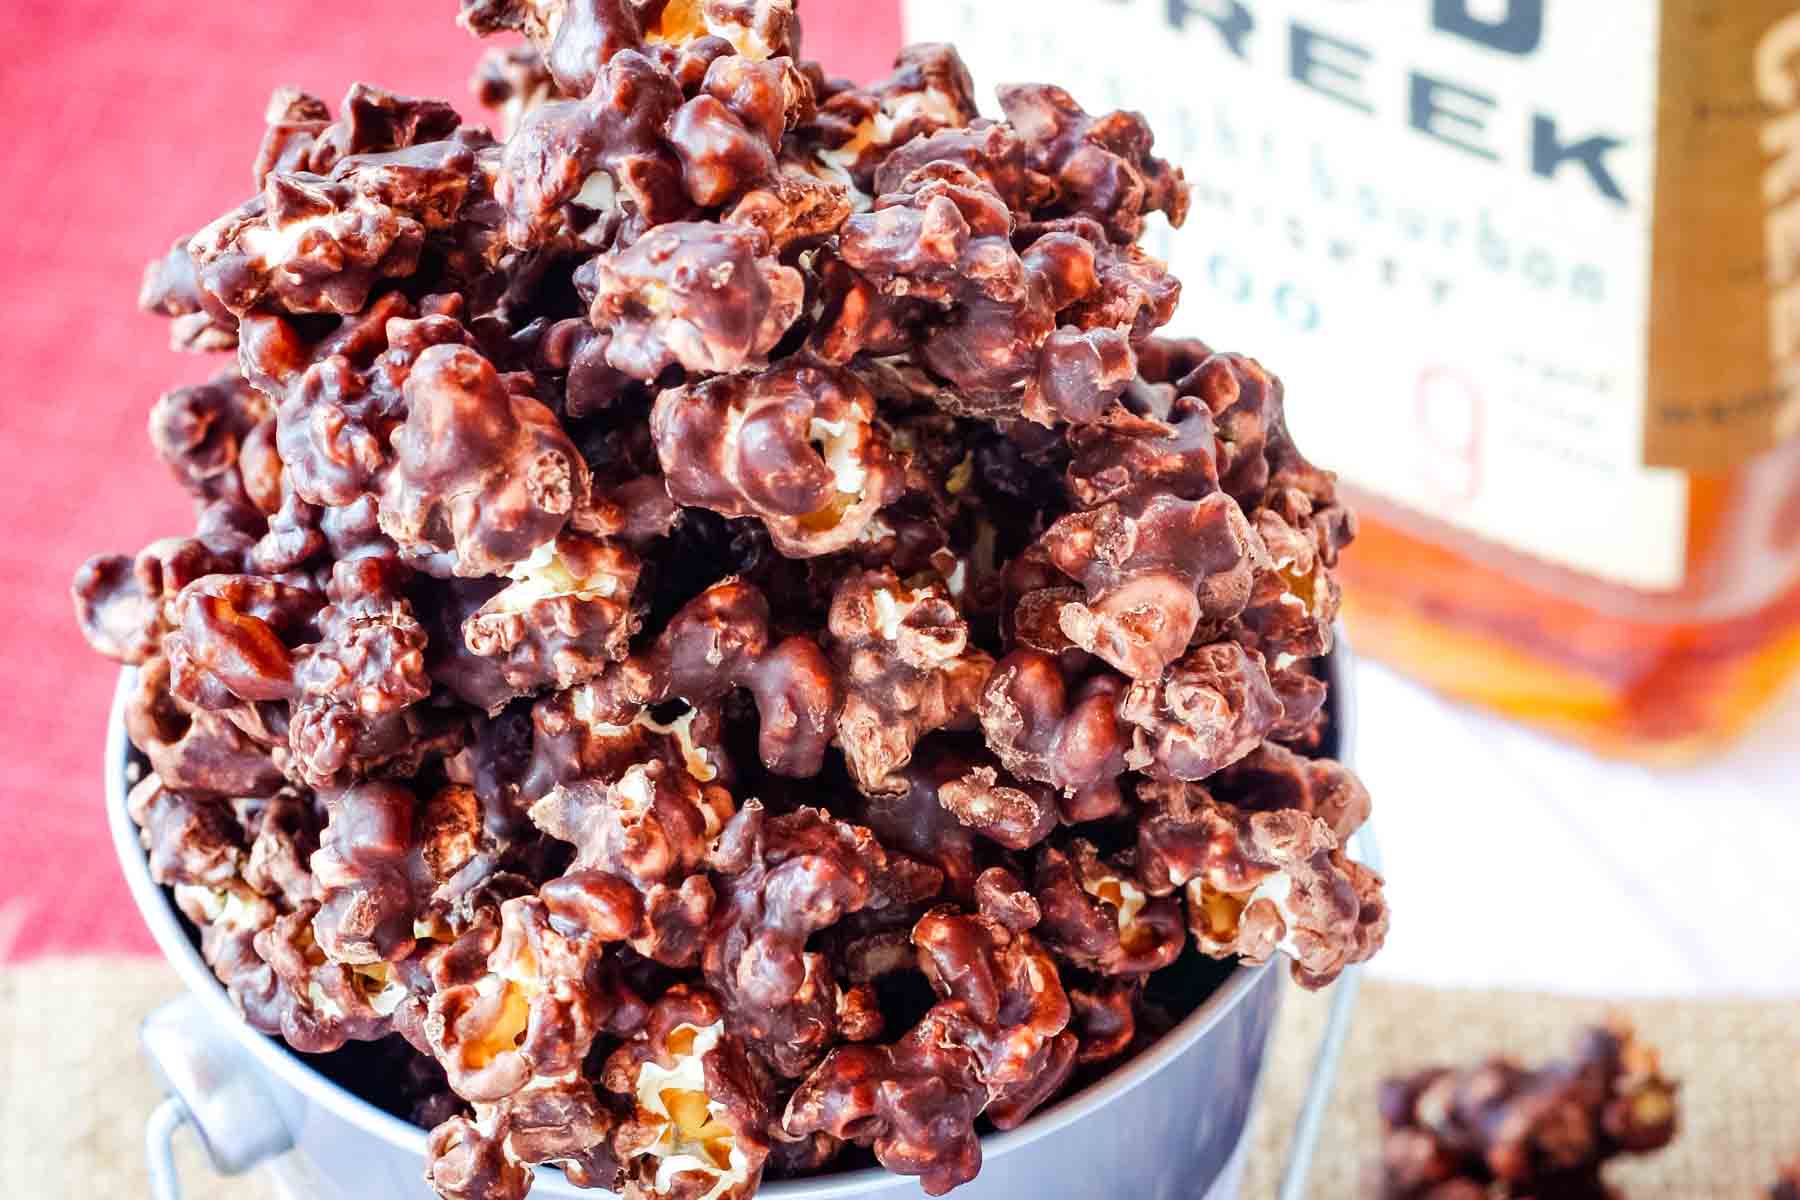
<point x="717" y="639"/>
<point x="1499" y="1129"/>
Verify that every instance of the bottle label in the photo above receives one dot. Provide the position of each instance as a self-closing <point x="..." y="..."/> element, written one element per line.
<point x="1725" y="296"/>
<point x="1440" y="221"/>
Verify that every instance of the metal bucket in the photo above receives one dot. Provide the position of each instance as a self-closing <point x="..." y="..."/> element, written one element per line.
<point x="1168" y="1125"/>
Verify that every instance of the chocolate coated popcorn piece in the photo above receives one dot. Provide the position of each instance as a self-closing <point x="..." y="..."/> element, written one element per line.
<point x="791" y="207"/>
<point x="197" y="322"/>
<point x="285" y="833"/>
<point x="192" y="839"/>
<point x="533" y="1015"/>
<point x="573" y="166"/>
<point x="301" y="136"/>
<point x="1035" y="320"/>
<point x="783" y="879"/>
<point x="722" y="641"/>
<point x="856" y="128"/>
<point x="566" y="612"/>
<point x="190" y="748"/>
<point x="1152" y="573"/>
<point x="1303" y="695"/>
<point x="795" y="446"/>
<point x="652" y="824"/>
<point x="769" y="96"/>
<point x="1272" y="777"/>
<point x="482" y="475"/>
<point x="1211" y="708"/>
<point x="1294" y="599"/>
<point x="1045" y="730"/>
<point x="1102" y="166"/>
<point x="589" y="733"/>
<point x="563" y="1122"/>
<point x="1007" y="811"/>
<point x="358" y="684"/>
<point x="1502" y="1129"/>
<point x="369" y="655"/>
<point x="906" y="667"/>
<point x="326" y="1003"/>
<point x="697" y="1114"/>
<point x="577" y="38"/>
<point x="201" y="431"/>
<point x="722" y="155"/>
<point x="373" y="873"/>
<point x="340" y="401"/>
<point x="992" y="150"/>
<point x="699" y="294"/>
<point x="1154" y="442"/>
<point x="234" y="637"/>
<point x="914" y="1102"/>
<point x="650" y="827"/>
<point x="463" y="1161"/>
<point x="1260" y="882"/>
<point x="1097" y="915"/>
<point x="996" y="1029"/>
<point x="322" y="243"/>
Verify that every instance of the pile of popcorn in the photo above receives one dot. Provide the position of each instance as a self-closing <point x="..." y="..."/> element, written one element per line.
<point x="712" y="617"/>
<point x="1500" y="1131"/>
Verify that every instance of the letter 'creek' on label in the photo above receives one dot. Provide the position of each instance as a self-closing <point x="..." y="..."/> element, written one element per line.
<point x="1499" y="291"/>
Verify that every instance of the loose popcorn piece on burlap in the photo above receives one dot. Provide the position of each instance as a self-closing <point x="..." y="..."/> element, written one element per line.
<point x="1500" y="1129"/>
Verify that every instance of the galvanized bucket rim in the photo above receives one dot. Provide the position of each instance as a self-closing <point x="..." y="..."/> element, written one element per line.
<point x="172" y="938"/>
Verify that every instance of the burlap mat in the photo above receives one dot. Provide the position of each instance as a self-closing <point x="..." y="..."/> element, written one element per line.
<point x="73" y="1091"/>
<point x="1738" y="1063"/>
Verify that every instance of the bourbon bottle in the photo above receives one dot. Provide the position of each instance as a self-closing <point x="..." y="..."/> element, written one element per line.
<point x="1532" y="271"/>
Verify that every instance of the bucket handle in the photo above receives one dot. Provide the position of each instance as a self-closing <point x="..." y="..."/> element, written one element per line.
<point x="1329" y="1056"/>
<point x="209" y="1085"/>
<point x="159" y="1147"/>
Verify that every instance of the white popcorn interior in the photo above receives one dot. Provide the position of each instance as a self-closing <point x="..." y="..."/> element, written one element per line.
<point x="598" y="192"/>
<point x="685" y="20"/>
<point x="545" y="573"/>
<point x="1126" y="899"/>
<point x="887" y="612"/>
<point x="838" y="442"/>
<point x="694" y="1135"/>
<point x="697" y="759"/>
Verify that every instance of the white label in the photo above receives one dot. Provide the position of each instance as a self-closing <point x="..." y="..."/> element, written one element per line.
<point x="1431" y="218"/>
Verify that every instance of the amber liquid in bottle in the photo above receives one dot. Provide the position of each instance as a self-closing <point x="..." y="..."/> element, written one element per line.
<point x="1663" y="677"/>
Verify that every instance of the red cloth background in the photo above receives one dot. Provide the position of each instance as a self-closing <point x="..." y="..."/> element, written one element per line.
<point x="127" y="125"/>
